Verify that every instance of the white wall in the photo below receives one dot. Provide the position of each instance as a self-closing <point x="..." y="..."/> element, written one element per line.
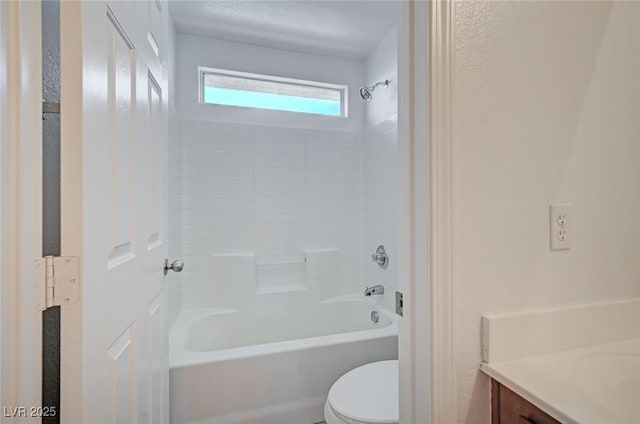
<point x="380" y="65"/>
<point x="380" y="165"/>
<point x="270" y="203"/>
<point x="546" y="107"/>
<point x="194" y="51"/>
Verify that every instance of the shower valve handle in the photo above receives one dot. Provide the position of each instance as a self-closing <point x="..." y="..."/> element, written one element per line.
<point x="175" y="266"/>
<point x="377" y="257"/>
<point x="381" y="257"/>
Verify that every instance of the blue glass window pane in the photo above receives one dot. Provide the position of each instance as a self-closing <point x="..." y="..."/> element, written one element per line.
<point x="230" y="97"/>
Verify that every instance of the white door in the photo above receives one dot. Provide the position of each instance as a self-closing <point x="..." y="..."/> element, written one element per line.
<point x="21" y="212"/>
<point x="114" y="215"/>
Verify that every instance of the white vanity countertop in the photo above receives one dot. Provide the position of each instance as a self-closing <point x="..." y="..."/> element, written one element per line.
<point x="593" y="385"/>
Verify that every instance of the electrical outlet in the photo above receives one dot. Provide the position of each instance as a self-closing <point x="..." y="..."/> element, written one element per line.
<point x="560" y="231"/>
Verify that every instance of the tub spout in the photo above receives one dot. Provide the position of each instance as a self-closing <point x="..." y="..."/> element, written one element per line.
<point x="377" y="289"/>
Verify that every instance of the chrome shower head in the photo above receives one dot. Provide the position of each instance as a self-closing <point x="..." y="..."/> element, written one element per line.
<point x="366" y="92"/>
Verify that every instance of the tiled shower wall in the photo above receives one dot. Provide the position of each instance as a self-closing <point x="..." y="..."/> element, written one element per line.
<point x="380" y="167"/>
<point x="295" y="208"/>
<point x="266" y="211"/>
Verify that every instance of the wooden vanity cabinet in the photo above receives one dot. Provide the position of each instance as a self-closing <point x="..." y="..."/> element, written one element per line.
<point x="509" y="408"/>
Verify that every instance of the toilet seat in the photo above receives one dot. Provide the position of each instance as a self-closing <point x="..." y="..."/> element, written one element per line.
<point x="365" y="395"/>
<point x="331" y="417"/>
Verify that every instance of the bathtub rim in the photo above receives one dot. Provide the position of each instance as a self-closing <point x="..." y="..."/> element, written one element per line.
<point x="180" y="356"/>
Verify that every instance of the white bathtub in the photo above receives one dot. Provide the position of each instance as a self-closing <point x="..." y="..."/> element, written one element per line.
<point x="271" y="367"/>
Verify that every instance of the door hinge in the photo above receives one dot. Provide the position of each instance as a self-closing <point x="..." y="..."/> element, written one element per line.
<point x="61" y="281"/>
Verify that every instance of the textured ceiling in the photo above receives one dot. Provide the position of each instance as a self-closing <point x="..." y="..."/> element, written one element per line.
<point x="337" y="28"/>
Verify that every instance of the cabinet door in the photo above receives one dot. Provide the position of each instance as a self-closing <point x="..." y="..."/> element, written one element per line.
<point x="509" y="408"/>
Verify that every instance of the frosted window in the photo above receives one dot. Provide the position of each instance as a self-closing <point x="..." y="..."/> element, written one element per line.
<point x="273" y="93"/>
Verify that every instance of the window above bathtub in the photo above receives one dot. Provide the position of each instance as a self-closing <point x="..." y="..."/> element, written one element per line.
<point x="242" y="89"/>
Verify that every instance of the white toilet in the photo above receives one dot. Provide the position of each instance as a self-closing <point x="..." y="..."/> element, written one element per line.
<point x="365" y="395"/>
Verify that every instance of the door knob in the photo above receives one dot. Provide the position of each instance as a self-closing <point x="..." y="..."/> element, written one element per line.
<point x="176" y="266"/>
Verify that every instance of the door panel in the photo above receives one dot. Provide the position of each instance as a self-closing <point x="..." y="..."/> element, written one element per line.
<point x="118" y="137"/>
<point x="156" y="344"/>
<point x="121" y="100"/>
<point x="153" y="153"/>
<point x="122" y="379"/>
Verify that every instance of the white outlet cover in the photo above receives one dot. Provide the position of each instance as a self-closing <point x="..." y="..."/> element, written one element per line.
<point x="560" y="228"/>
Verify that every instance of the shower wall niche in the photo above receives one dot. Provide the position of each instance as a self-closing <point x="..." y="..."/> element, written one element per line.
<point x="271" y="206"/>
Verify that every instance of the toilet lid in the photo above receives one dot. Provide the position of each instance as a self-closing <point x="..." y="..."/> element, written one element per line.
<point x="368" y="393"/>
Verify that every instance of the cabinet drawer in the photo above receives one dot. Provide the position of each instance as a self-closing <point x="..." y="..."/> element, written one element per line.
<point x="509" y="408"/>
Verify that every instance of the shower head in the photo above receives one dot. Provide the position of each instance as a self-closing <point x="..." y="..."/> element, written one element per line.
<point x="366" y="92"/>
